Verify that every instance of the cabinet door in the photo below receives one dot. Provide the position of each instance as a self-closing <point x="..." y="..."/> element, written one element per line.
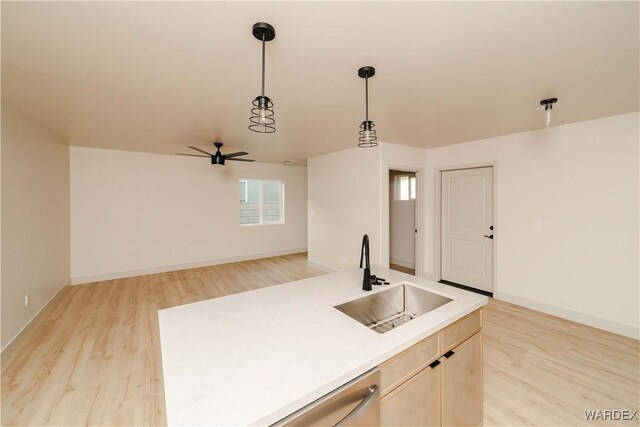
<point x="462" y="384"/>
<point x="414" y="403"/>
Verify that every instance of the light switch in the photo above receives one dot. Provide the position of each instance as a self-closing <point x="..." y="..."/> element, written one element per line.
<point x="536" y="224"/>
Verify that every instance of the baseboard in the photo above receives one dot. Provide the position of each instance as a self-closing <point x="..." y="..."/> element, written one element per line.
<point x="467" y="288"/>
<point x="401" y="263"/>
<point x="8" y="347"/>
<point x="175" y="267"/>
<point x="585" y="319"/>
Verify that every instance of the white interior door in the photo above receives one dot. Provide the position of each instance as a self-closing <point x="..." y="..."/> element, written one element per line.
<point x="467" y="227"/>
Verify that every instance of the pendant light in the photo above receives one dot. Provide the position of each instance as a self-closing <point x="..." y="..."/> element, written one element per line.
<point x="261" y="119"/>
<point x="549" y="116"/>
<point x="367" y="137"/>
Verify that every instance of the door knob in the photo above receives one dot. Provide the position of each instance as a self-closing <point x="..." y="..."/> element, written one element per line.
<point x="488" y="237"/>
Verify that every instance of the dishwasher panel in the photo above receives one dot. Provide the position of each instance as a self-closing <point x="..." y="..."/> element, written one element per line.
<point x="355" y="404"/>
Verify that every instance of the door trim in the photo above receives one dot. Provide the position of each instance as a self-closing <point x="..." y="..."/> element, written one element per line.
<point x="419" y="213"/>
<point x="438" y="212"/>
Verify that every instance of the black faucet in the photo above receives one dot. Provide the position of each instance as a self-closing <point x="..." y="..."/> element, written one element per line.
<point x="366" y="280"/>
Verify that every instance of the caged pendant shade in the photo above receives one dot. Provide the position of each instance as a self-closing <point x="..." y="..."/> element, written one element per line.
<point x="262" y="119"/>
<point x="367" y="137"/>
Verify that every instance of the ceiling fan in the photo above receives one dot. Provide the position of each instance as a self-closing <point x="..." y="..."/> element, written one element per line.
<point x="218" y="159"/>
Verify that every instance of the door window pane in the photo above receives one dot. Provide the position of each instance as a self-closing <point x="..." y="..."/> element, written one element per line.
<point x="405" y="187"/>
<point x="412" y="183"/>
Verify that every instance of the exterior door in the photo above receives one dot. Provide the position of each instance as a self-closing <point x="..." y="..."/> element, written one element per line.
<point x="467" y="227"/>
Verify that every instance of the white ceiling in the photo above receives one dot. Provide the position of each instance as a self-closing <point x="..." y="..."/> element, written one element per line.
<point x="157" y="76"/>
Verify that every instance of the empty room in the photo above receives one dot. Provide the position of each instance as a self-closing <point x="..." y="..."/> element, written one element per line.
<point x="320" y="213"/>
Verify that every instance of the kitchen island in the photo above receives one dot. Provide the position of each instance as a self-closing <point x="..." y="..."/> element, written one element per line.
<point x="255" y="357"/>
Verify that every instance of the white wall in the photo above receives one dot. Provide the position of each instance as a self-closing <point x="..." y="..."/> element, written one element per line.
<point x="135" y="213"/>
<point x="35" y="220"/>
<point x="401" y="226"/>
<point x="581" y="182"/>
<point x="344" y="204"/>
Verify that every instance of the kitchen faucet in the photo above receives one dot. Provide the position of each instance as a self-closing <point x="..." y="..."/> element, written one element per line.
<point x="366" y="280"/>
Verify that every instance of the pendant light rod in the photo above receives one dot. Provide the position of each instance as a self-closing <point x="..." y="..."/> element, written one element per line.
<point x="366" y="97"/>
<point x="263" y="48"/>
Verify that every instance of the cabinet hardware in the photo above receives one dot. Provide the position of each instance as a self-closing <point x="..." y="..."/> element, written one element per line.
<point x="434" y="364"/>
<point x="488" y="237"/>
<point x="449" y="353"/>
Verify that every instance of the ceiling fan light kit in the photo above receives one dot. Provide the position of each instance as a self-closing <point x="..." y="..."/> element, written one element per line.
<point x="262" y="118"/>
<point x="217" y="159"/>
<point x="367" y="137"/>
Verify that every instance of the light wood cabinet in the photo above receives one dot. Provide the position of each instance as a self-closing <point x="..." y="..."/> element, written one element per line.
<point x="460" y="330"/>
<point x="462" y="384"/>
<point x="400" y="368"/>
<point x="414" y="403"/>
<point x="423" y="391"/>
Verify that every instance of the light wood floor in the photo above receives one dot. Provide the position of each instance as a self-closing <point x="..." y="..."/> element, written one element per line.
<point x="542" y="370"/>
<point x="93" y="356"/>
<point x="402" y="269"/>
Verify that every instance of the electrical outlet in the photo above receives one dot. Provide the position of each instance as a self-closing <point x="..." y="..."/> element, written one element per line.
<point x="27" y="299"/>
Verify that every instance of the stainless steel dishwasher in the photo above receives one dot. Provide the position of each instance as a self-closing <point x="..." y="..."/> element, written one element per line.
<point x="357" y="403"/>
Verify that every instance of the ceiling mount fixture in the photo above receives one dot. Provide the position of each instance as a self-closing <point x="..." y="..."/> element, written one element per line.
<point x="218" y="159"/>
<point x="261" y="119"/>
<point x="367" y="137"/>
<point x="549" y="118"/>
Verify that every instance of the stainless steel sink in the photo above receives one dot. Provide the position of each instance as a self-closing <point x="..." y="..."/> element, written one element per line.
<point x="386" y="310"/>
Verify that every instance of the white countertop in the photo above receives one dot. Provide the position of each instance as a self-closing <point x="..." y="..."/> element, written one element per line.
<point x="255" y="357"/>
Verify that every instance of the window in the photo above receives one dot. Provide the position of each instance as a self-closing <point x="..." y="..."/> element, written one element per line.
<point x="261" y="201"/>
<point x="243" y="191"/>
<point x="405" y="187"/>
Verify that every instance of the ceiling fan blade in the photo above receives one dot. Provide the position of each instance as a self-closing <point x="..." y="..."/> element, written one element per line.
<point x="242" y="160"/>
<point x="197" y="149"/>
<point x="192" y="155"/>
<point x="239" y="153"/>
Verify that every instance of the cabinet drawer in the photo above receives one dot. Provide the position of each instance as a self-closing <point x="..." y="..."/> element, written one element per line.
<point x="398" y="369"/>
<point x="462" y="329"/>
<point x="415" y="403"/>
